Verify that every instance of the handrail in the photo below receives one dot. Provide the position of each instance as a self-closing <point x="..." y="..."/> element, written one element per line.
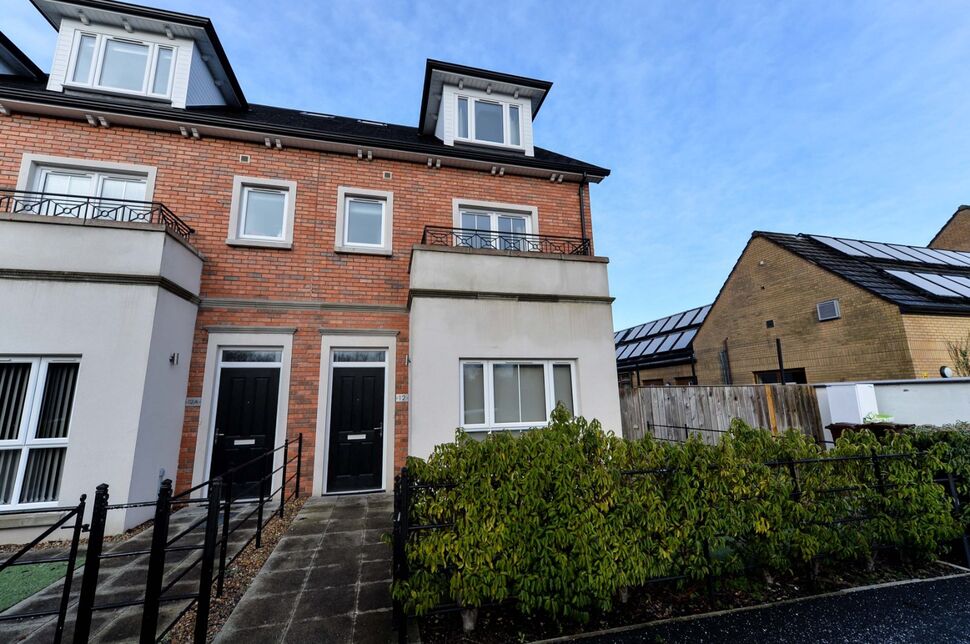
<point x="505" y="241"/>
<point x="93" y="209"/>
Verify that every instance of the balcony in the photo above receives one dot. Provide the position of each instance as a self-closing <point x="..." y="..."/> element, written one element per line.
<point x="93" y="209"/>
<point x="502" y="241"/>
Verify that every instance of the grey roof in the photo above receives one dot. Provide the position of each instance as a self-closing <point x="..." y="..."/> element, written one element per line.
<point x="917" y="279"/>
<point x="299" y="123"/>
<point x="17" y="60"/>
<point x="666" y="341"/>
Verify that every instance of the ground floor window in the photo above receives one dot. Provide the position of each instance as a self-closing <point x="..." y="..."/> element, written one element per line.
<point x="792" y="376"/>
<point x="511" y="394"/>
<point x="36" y="402"/>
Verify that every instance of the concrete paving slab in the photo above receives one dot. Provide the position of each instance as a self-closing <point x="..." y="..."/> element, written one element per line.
<point x="326" y="581"/>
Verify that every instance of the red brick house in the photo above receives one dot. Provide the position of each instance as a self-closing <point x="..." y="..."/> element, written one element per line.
<point x="189" y="278"/>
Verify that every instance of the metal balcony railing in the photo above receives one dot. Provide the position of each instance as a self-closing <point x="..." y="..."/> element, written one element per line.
<point x="472" y="238"/>
<point x="92" y="209"/>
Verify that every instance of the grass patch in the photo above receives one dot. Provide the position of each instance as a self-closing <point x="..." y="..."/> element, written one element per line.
<point x="20" y="582"/>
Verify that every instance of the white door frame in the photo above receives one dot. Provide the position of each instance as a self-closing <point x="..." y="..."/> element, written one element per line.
<point x="269" y="338"/>
<point x="385" y="340"/>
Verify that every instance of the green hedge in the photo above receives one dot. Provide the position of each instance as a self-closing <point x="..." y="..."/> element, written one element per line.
<point x="551" y="519"/>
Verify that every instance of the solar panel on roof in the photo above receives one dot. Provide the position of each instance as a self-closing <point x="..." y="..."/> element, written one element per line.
<point x="642" y="332"/>
<point x="671" y="321"/>
<point x="669" y="342"/>
<point x="867" y="250"/>
<point x="955" y="256"/>
<point x="947" y="282"/>
<point x="639" y="350"/>
<point x="702" y="315"/>
<point x="685" y="339"/>
<point x="895" y="253"/>
<point x="619" y="350"/>
<point x="652" y="348"/>
<point x="617" y="336"/>
<point x="686" y="320"/>
<point x="839" y="246"/>
<point x="924" y="284"/>
<point x="627" y="350"/>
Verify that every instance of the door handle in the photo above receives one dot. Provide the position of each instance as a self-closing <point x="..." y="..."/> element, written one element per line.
<point x="380" y="430"/>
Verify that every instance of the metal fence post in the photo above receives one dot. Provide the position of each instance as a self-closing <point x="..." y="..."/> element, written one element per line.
<point x="796" y="494"/>
<point x="208" y="559"/>
<point x="156" y="562"/>
<point x="299" y="459"/>
<point x="92" y="565"/>
<point x="259" y="515"/>
<point x="952" y="485"/>
<point x="286" y="456"/>
<point x="402" y="503"/>
<point x="69" y="573"/>
<point x="224" y="544"/>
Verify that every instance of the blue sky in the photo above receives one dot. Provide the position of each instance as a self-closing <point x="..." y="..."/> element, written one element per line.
<point x="717" y="119"/>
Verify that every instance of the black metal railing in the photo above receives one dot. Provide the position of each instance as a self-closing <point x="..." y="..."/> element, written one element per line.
<point x="516" y="242"/>
<point x="407" y="489"/>
<point x="215" y="525"/>
<point x="92" y="209"/>
<point x="16" y="559"/>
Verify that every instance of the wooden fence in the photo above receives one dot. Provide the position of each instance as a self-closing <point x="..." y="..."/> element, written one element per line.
<point x="675" y="412"/>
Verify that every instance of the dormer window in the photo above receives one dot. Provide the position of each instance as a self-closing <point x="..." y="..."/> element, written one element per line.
<point x="115" y="64"/>
<point x="488" y="121"/>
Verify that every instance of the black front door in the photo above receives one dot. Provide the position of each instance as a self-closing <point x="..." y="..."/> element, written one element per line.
<point x="356" y="429"/>
<point x="246" y="426"/>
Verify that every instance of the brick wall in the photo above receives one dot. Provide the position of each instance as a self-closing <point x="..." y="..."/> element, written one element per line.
<point x="928" y="336"/>
<point x="195" y="180"/>
<point x="668" y="375"/>
<point x="770" y="283"/>
<point x="955" y="235"/>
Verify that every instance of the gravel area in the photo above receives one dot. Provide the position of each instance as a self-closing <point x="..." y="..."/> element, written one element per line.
<point x="238" y="577"/>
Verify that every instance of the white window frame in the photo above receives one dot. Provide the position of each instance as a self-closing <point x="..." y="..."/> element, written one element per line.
<point x="26" y="440"/>
<point x="98" y="177"/>
<point x="240" y="190"/>
<point x="472" y="98"/>
<point x="347" y="193"/>
<point x="97" y="63"/>
<point x="490" y="425"/>
<point x="32" y="167"/>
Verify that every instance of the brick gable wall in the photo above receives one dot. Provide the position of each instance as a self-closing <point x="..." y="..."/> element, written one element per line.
<point x="771" y="283"/>
<point x="955" y="234"/>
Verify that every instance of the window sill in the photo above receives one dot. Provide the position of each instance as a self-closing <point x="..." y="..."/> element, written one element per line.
<point x="473" y="143"/>
<point x="260" y="243"/>
<point x="361" y="250"/>
<point x="30" y="520"/>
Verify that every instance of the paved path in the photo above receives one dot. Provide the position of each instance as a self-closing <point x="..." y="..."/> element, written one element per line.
<point x="327" y="580"/>
<point x="914" y="613"/>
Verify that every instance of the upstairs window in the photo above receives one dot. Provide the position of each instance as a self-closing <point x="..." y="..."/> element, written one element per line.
<point x="497" y="230"/>
<point x="488" y="121"/>
<point x="262" y="212"/>
<point x="104" y="62"/>
<point x="364" y="221"/>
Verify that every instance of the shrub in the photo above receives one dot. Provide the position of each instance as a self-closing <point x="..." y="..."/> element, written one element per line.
<point x="562" y="518"/>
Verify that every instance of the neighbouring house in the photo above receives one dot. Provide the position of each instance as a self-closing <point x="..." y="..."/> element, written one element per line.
<point x="188" y="278"/>
<point x="826" y="309"/>
<point x="660" y="352"/>
<point x="843" y="310"/>
<point x="955" y="234"/>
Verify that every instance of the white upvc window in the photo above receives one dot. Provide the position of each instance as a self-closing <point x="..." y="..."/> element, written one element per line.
<point x="36" y="404"/>
<point x="364" y="221"/>
<point x="514" y="394"/>
<point x="484" y="120"/>
<point x="262" y="212"/>
<point x="125" y="65"/>
<point x="500" y="230"/>
<point x="79" y="182"/>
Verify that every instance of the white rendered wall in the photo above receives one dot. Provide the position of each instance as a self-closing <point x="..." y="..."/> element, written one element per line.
<point x="444" y="330"/>
<point x="127" y="417"/>
<point x="925" y="402"/>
